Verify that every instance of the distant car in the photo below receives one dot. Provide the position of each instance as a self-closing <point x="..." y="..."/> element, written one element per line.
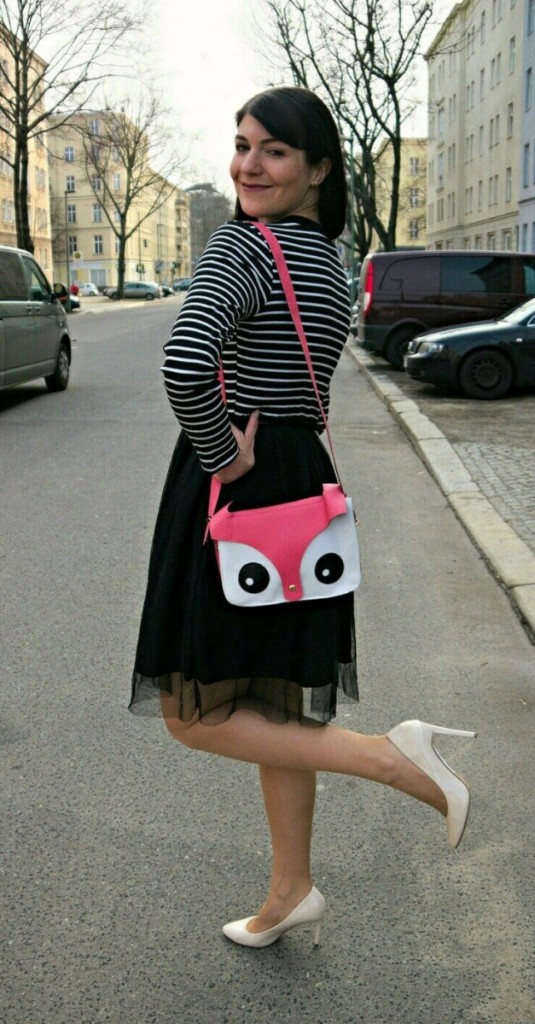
<point x="137" y="290"/>
<point x="34" y="334"/>
<point x="89" y="289"/>
<point x="482" y="360"/>
<point x="182" y="284"/>
<point x="166" y="290"/>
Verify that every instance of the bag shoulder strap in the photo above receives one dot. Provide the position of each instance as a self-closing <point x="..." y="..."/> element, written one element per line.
<point x="291" y="298"/>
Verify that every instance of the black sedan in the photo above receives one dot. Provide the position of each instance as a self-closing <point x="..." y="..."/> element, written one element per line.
<point x="483" y="360"/>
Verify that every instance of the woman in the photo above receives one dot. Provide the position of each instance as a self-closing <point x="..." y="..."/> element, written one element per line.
<point x="255" y="683"/>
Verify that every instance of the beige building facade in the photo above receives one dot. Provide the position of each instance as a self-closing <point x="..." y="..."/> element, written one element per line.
<point x="38" y="184"/>
<point x="85" y="243"/>
<point x="411" y="222"/>
<point x="475" y="126"/>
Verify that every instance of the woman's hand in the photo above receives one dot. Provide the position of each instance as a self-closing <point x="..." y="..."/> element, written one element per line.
<point x="245" y="458"/>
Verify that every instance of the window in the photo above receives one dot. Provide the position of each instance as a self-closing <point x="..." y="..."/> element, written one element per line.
<point x="414" y="229"/>
<point x="117" y="216"/>
<point x="94" y="126"/>
<point x="510" y="119"/>
<point x="440" y="123"/>
<point x="482" y="83"/>
<point x="506" y="240"/>
<point x="71" y="213"/>
<point x="69" y="154"/>
<point x="117" y="182"/>
<point x="494" y="12"/>
<point x="480" y="195"/>
<point x="531" y="16"/>
<point x="440" y="210"/>
<point x="117" y="245"/>
<point x="73" y="245"/>
<point x="525" y="166"/>
<point x="440" y="170"/>
<point x="493" y="73"/>
<point x="483" y="274"/>
<point x="529" y="88"/>
<point x="491" y="240"/>
<point x="508" y="184"/>
<point x="497" y="129"/>
<point x="414" y="165"/>
<point x="512" y="54"/>
<point x="13" y="286"/>
<point x="412" y="275"/>
<point x="498" y="68"/>
<point x="115" y="153"/>
<point x="69" y="183"/>
<point x="491" y="133"/>
<point x="96" y="183"/>
<point x="481" y="139"/>
<point x="482" y="28"/>
<point x="97" y="213"/>
<point x="98" y="245"/>
<point x="414" y="197"/>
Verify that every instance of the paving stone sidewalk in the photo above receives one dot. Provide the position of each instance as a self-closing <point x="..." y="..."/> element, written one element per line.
<point x="482" y="455"/>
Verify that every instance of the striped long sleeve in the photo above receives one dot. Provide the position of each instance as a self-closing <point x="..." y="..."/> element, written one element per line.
<point x="236" y="311"/>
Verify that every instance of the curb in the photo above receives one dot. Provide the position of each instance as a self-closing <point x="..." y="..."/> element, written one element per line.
<point x="510" y="560"/>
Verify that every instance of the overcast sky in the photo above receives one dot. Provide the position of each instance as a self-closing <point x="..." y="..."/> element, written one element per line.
<point x="210" y="57"/>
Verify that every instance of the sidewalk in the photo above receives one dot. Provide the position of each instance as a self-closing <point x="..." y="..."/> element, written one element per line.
<point x="472" y="478"/>
<point x="101" y="303"/>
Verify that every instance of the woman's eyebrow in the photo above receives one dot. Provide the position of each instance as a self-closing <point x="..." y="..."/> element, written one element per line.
<point x="243" y="138"/>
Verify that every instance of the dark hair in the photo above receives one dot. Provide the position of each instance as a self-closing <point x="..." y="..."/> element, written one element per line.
<point x="300" y="119"/>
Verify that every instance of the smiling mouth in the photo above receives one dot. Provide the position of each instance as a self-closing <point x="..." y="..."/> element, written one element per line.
<point x="254" y="188"/>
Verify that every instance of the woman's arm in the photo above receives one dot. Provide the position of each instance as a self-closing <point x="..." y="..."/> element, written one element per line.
<point x="232" y="282"/>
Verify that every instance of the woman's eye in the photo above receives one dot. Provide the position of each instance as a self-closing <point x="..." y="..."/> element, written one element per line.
<point x="275" y="152"/>
<point x="241" y="147"/>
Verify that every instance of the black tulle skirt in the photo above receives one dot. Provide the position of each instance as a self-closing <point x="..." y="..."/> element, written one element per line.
<point x="287" y="661"/>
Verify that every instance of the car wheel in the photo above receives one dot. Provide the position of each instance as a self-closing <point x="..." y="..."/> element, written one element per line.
<point x="486" y="374"/>
<point x="397" y="345"/>
<point x="149" y="295"/>
<point x="58" y="380"/>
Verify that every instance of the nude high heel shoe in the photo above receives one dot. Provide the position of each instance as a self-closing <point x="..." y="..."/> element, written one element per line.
<point x="311" y="910"/>
<point x="415" y="740"/>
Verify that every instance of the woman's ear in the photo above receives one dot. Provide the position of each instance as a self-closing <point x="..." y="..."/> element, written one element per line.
<point x="321" y="171"/>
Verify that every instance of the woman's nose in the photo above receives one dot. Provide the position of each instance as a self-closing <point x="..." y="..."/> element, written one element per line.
<point x="251" y="161"/>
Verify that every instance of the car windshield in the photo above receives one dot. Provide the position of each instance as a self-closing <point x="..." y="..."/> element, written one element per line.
<point x="521" y="313"/>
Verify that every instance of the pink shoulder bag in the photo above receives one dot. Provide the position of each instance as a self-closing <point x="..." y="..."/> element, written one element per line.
<point x="296" y="551"/>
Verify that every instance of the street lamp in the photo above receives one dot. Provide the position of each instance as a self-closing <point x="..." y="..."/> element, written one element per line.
<point x="66" y="194"/>
<point x="352" y="232"/>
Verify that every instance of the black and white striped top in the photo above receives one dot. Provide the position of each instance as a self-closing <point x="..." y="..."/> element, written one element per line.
<point x="236" y="309"/>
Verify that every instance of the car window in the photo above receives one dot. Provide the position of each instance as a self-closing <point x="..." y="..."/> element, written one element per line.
<point x="481" y="274"/>
<point x="528" y="266"/>
<point x="13" y="285"/>
<point x="519" y="314"/>
<point x="38" y="284"/>
<point x="411" y="276"/>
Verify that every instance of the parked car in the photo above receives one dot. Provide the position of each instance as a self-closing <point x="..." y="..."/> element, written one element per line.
<point x="182" y="284"/>
<point x="483" y="360"/>
<point x="137" y="290"/>
<point x="404" y="293"/>
<point x="69" y="301"/>
<point x="89" y="289"/>
<point x="34" y="335"/>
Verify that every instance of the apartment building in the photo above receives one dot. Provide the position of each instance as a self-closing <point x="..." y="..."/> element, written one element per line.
<point x="411" y="222"/>
<point x="476" y="126"/>
<point x="38" y="197"/>
<point x="527" y="139"/>
<point x="86" y="245"/>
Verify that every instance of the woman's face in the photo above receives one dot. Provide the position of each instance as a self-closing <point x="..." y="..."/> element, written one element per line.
<point x="271" y="178"/>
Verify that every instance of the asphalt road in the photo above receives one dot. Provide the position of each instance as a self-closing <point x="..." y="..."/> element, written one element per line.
<point x="123" y="854"/>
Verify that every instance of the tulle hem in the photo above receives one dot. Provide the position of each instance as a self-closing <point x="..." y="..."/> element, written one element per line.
<point x="278" y="700"/>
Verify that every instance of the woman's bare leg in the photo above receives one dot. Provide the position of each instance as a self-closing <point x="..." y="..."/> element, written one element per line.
<point x="289" y="801"/>
<point x="248" y="736"/>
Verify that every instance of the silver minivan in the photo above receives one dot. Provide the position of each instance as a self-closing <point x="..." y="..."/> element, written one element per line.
<point x="34" y="337"/>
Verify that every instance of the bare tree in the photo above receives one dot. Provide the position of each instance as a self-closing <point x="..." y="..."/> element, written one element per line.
<point x="32" y="90"/>
<point x="359" y="55"/>
<point x="129" y="164"/>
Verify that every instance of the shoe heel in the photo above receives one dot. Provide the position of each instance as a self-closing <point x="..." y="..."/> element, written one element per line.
<point x="317" y="932"/>
<point x="444" y="731"/>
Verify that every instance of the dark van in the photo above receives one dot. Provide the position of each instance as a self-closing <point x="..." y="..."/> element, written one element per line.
<point x="34" y="338"/>
<point x="403" y="294"/>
